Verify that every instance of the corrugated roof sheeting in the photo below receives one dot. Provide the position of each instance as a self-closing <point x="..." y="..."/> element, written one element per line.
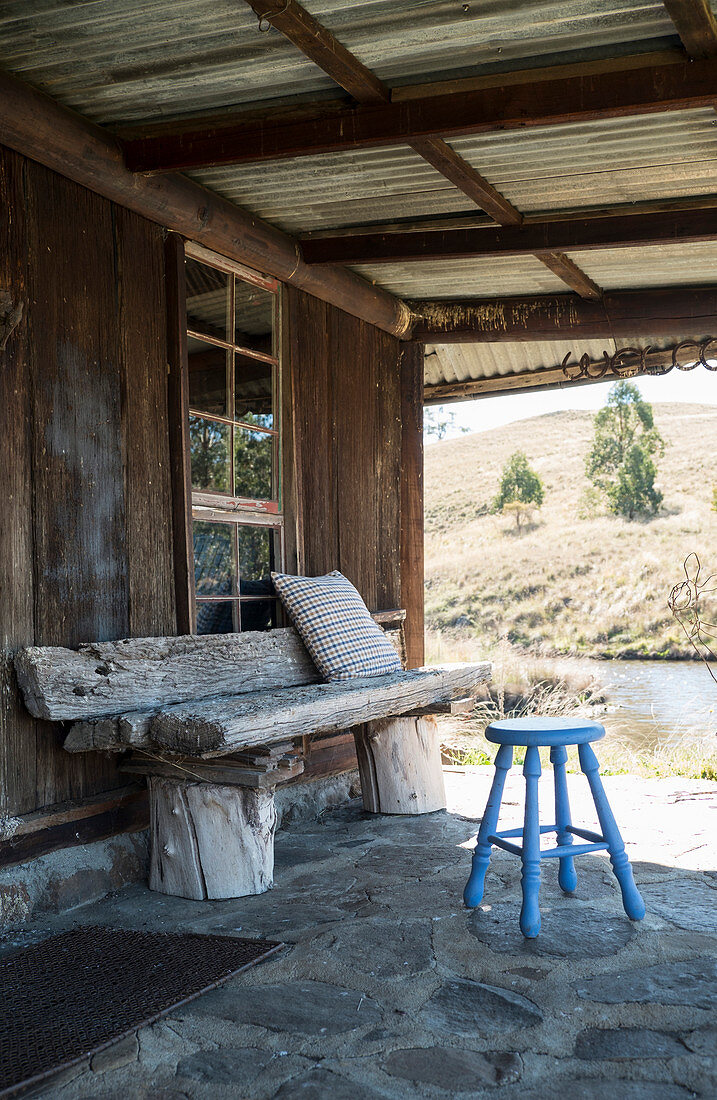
<point x="401" y="40"/>
<point x="455" y="363"/>
<point x="595" y="163"/>
<point x="559" y="167"/>
<point x="339" y="189"/>
<point x="470" y="278"/>
<point x="124" y="60"/>
<point x="656" y="265"/>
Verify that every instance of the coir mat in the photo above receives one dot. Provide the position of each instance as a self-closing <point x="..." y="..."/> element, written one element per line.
<point x="75" y="993"/>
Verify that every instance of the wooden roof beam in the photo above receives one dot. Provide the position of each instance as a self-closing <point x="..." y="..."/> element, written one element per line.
<point x="542" y="237"/>
<point x="40" y="128"/>
<point x="696" y="25"/>
<point x="668" y="311"/>
<point x="318" y="44"/>
<point x="334" y="127"/>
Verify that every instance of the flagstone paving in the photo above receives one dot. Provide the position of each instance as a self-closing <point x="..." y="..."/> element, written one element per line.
<point x="388" y="989"/>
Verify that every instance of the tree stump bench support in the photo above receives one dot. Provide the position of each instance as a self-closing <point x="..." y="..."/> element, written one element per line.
<point x="217" y="722"/>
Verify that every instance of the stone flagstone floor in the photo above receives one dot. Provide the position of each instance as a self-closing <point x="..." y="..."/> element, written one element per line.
<point x="388" y="988"/>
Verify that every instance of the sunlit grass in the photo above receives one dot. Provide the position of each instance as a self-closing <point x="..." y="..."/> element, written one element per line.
<point x="524" y="686"/>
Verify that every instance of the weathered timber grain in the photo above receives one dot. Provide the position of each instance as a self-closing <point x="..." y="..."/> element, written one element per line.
<point x="79" y="502"/>
<point x="317" y="43"/>
<point x="40" y="128"/>
<point x="143" y="358"/>
<point x="696" y="25"/>
<point x="664" y="311"/>
<point x="411" y="528"/>
<point x="220" y="726"/>
<point x="535" y="236"/>
<point x="144" y="673"/>
<point x="225" y="772"/>
<point x="210" y="842"/>
<point x="400" y="766"/>
<point x="18" y="753"/>
<point x="550" y="100"/>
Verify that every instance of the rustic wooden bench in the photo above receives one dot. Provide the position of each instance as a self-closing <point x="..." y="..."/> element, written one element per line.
<point x="216" y="723"/>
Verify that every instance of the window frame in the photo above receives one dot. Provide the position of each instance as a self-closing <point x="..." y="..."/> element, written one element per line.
<point x="231" y="508"/>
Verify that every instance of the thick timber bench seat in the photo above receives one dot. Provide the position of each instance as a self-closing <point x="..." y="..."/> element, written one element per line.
<point x="216" y="722"/>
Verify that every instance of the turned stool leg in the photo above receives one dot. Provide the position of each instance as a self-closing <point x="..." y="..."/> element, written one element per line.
<point x="631" y="899"/>
<point x="530" y="878"/>
<point x="473" y="893"/>
<point x="567" y="878"/>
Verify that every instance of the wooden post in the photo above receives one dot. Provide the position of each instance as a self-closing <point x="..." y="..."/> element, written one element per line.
<point x="210" y="841"/>
<point x="400" y="766"/>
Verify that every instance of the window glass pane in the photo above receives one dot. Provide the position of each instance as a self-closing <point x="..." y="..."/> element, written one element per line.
<point x="254" y="317"/>
<point x="253" y="401"/>
<point x="208" y="373"/>
<point x="208" y="301"/>
<point x="209" y="449"/>
<point x="256" y="560"/>
<point x="215" y="571"/>
<point x="258" y="614"/>
<point x="217" y="617"/>
<point x="253" y="464"/>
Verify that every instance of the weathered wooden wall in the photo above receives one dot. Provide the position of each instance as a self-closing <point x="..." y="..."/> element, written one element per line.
<point x="353" y="416"/>
<point x="86" y="534"/>
<point x="85" y="537"/>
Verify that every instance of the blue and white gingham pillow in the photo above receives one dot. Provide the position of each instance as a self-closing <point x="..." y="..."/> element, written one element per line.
<point x="336" y="626"/>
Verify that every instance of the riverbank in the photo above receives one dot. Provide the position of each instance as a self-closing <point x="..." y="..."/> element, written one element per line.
<point x="660" y="721"/>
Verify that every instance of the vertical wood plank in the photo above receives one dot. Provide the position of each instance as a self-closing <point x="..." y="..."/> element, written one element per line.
<point x="314" y="429"/>
<point x="17" y="728"/>
<point x="178" y="413"/>
<point x="411" y="552"/>
<point x="291" y="469"/>
<point x="143" y="335"/>
<point x="356" y="389"/>
<point x="81" y="588"/>
<point x="388" y="478"/>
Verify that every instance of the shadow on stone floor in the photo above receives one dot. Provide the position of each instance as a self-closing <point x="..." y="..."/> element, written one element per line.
<point x="388" y="988"/>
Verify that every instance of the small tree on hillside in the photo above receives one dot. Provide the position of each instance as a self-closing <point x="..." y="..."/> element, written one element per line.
<point x="437" y="421"/>
<point x="621" y="463"/>
<point x="714" y="498"/>
<point x="520" y="490"/>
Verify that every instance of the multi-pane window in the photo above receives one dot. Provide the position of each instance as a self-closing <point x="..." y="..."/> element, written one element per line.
<point x="232" y="351"/>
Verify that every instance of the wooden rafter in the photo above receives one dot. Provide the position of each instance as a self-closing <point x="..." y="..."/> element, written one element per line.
<point x="667" y="311"/>
<point x="696" y="25"/>
<point x="544" y="237"/>
<point x="40" y="128"/>
<point x="334" y="127"/>
<point x="320" y="45"/>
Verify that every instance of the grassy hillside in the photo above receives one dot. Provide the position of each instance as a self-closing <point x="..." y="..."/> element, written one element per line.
<point x="574" y="582"/>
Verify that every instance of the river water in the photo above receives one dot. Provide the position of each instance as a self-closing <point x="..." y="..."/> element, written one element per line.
<point x="657" y="700"/>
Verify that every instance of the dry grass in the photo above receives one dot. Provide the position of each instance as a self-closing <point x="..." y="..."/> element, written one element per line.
<point x="522" y="685"/>
<point x="574" y="582"/>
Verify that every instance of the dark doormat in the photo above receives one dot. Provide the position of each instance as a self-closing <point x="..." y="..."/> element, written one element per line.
<point x="73" y="994"/>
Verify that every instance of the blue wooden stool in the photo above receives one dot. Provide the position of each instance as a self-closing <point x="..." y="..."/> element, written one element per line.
<point x="554" y="733"/>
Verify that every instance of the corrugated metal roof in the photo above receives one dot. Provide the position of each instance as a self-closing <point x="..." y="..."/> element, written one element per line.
<point x="123" y="60"/>
<point x="549" y="168"/>
<point x="658" y="265"/>
<point x="339" y="189"/>
<point x="471" y="278"/>
<point x="597" y="163"/>
<point x="454" y="363"/>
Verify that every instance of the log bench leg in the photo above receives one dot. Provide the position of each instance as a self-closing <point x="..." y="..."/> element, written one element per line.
<point x="399" y="763"/>
<point x="210" y="841"/>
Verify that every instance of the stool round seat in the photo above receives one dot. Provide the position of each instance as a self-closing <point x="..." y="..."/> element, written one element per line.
<point x="544" y="732"/>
